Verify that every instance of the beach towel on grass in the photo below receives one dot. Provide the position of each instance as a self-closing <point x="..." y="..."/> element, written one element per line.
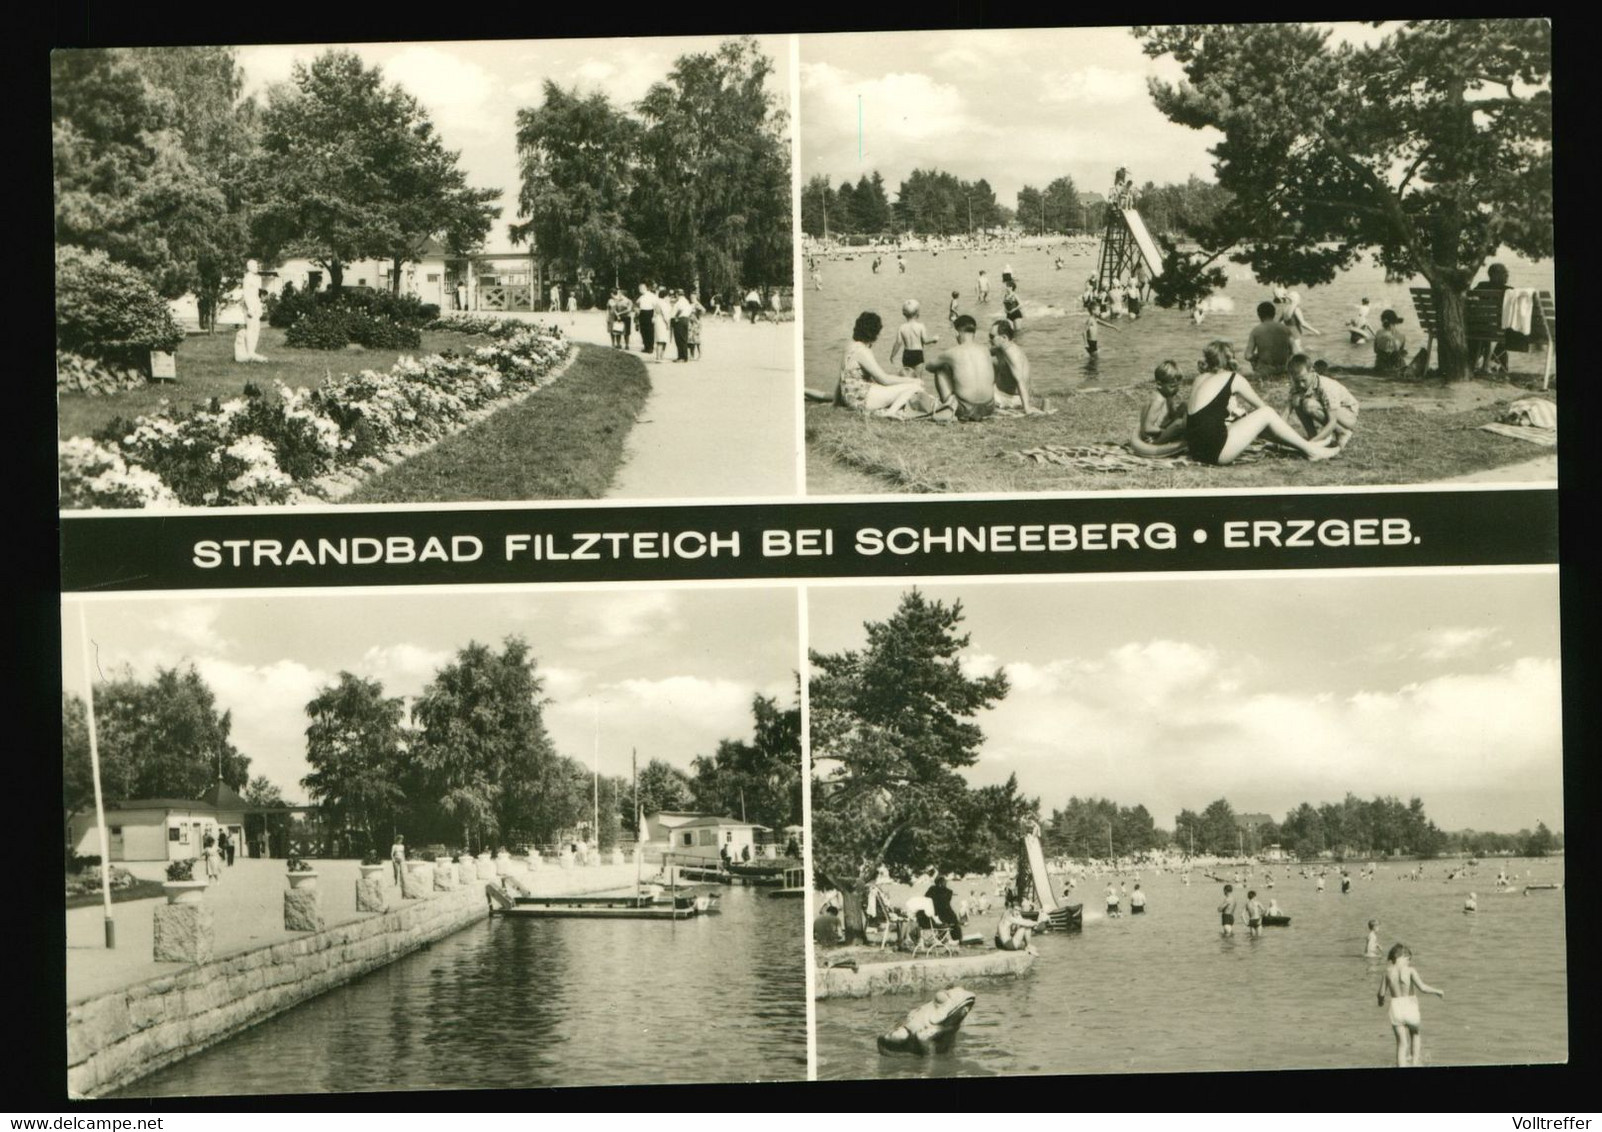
<point x="1109" y="457"/>
<point x="1529" y="418"/>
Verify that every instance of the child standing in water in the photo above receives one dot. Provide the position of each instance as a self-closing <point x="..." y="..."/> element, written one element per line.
<point x="911" y="338"/>
<point x="1402" y="984"/>
<point x="951" y="311"/>
<point x="1372" y="948"/>
<point x="1226" y="910"/>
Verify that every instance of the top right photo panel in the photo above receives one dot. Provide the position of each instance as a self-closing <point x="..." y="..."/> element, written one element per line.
<point x="1218" y="256"/>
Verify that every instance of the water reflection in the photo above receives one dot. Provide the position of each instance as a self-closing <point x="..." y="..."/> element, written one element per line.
<point x="533" y="1003"/>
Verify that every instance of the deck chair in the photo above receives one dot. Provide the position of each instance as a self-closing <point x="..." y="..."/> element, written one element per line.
<point x="934" y="936"/>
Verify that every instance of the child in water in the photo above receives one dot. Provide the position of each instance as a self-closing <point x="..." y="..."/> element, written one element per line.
<point x="1093" y="319"/>
<point x="951" y="311"/>
<point x="1325" y="407"/>
<point x="1402" y="983"/>
<point x="1226" y="910"/>
<point x="1372" y="947"/>
<point x="911" y="338"/>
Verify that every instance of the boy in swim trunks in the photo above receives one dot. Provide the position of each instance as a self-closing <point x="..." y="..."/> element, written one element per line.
<point x="1402" y="983"/>
<point x="1325" y="407"/>
<point x="1112" y="903"/>
<point x="911" y="338"/>
<point x="1163" y="418"/>
<point x="965" y="375"/>
<point x="1254" y="914"/>
<point x="1226" y="910"/>
<point x="952" y="311"/>
<point x="1012" y="369"/>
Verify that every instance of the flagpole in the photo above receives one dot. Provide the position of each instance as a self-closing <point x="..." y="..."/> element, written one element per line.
<point x="595" y="765"/>
<point x="639" y="850"/>
<point x="94" y="767"/>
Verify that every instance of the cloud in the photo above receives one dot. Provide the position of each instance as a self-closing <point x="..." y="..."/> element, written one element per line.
<point x="269" y="64"/>
<point x="268" y="704"/>
<point x="402" y="668"/>
<point x="628" y="617"/>
<point x="723" y="706"/>
<point x="1443" y="644"/>
<point x="194" y="624"/>
<point x="1094" y="86"/>
<point x="455" y="91"/>
<point x="1174" y="725"/>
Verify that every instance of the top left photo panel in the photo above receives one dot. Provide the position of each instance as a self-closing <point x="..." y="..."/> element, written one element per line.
<point x="424" y="273"/>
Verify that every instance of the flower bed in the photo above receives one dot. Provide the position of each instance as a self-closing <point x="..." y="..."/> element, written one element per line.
<point x="252" y="449"/>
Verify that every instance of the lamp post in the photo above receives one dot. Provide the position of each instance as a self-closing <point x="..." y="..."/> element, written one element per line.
<point x="1109" y="841"/>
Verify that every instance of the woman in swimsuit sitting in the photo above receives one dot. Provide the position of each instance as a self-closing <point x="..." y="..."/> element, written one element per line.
<point x="1209" y="433"/>
<point x="864" y="386"/>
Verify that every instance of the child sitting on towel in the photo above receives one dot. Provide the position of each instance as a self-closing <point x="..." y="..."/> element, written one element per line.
<point x="1326" y="408"/>
<point x="1161" y="431"/>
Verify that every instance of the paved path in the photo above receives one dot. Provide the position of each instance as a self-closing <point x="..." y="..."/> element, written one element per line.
<point x="248" y="912"/>
<point x="720" y="427"/>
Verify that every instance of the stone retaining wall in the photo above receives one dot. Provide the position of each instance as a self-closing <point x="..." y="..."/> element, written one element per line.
<point x="115" y="1038"/>
<point x="909" y="975"/>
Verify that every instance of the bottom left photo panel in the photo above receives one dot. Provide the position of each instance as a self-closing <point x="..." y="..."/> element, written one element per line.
<point x="394" y="840"/>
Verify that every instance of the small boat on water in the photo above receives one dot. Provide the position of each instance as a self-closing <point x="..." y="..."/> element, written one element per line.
<point x="592" y="906"/>
<point x="1276" y="921"/>
<point x="1541" y="887"/>
<point x="795" y="884"/>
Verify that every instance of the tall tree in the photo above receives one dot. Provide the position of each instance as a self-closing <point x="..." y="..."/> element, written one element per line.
<point x="161" y="738"/>
<point x="891" y="729"/>
<point x="715" y="176"/>
<point x="1061" y="202"/>
<point x="261" y="792"/>
<point x="816" y="206"/>
<point x="664" y="786"/>
<point x="1432" y="146"/>
<point x="350" y="168"/>
<point x="484" y="762"/>
<point x="355" y="746"/>
<point x="760" y="779"/>
<point x="578" y="157"/>
<point x="149" y="149"/>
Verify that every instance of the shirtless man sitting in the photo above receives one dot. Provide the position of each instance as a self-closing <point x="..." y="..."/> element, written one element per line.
<point x="1012" y="369"/>
<point x="965" y="375"/>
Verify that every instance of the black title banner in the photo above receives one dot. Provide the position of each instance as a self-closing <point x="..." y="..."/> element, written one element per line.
<point x="519" y="545"/>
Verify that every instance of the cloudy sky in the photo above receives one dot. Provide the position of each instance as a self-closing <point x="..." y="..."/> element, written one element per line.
<point x="473" y="90"/>
<point x="1267" y="691"/>
<point x="1015" y="107"/>
<point x="671" y="671"/>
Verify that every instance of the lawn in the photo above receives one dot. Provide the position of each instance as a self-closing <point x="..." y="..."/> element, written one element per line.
<point x="138" y="890"/>
<point x="1409" y="432"/>
<point x="206" y="369"/>
<point x="563" y="442"/>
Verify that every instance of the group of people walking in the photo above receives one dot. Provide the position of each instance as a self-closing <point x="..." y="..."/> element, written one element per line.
<point x="669" y="315"/>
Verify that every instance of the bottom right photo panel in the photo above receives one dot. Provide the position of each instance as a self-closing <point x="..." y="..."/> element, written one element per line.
<point x="1180" y="824"/>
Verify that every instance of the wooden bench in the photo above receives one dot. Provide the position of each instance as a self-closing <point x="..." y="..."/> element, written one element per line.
<point x="1482" y="322"/>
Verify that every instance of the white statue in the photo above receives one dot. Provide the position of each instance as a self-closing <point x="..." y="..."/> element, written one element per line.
<point x="250" y="297"/>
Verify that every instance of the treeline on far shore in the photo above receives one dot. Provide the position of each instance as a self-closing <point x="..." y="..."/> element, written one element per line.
<point x="1352" y="828"/>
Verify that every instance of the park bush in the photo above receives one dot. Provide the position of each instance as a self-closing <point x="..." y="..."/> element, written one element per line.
<point x="259" y="449"/>
<point x="382" y="323"/>
<point x="107" y="311"/>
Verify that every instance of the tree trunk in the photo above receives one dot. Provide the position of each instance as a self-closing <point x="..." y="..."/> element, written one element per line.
<point x="853" y="913"/>
<point x="336" y="275"/>
<point x="1451" y="336"/>
<point x="394" y="278"/>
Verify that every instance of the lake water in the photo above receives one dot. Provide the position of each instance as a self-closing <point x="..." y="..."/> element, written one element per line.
<point x="1054" y="322"/>
<point x="1164" y="992"/>
<point x="511" y="1004"/>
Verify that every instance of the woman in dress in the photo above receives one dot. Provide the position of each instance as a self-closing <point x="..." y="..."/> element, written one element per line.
<point x="864" y="385"/>
<point x="1211" y="436"/>
<point x="659" y="324"/>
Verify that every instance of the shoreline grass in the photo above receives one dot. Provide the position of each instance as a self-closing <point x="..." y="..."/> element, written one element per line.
<point x="564" y="441"/>
<point x="206" y="369"/>
<point x="1395" y="444"/>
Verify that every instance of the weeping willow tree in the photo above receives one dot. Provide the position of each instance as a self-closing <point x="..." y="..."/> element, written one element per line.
<point x="713" y="188"/>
